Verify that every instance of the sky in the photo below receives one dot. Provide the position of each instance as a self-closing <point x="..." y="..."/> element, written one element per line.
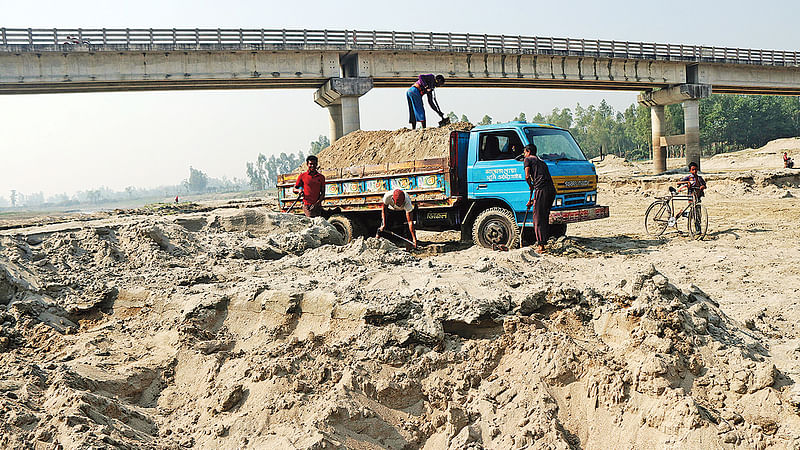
<point x="62" y="143"/>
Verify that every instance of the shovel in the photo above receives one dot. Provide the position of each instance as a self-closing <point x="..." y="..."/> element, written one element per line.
<point x="525" y="220"/>
<point x="444" y="122"/>
<point x="378" y="234"/>
<point x="295" y="202"/>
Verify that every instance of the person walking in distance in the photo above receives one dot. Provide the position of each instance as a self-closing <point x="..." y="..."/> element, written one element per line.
<point x="544" y="193"/>
<point x="311" y="185"/>
<point x="398" y="200"/>
<point x="424" y="85"/>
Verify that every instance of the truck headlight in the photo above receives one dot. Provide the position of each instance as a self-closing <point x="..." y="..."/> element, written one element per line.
<point x="590" y="198"/>
<point x="559" y="202"/>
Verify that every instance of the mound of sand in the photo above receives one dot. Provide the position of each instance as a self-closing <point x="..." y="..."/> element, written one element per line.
<point x="616" y="165"/>
<point x="770" y="156"/>
<point x="251" y="329"/>
<point x="384" y="146"/>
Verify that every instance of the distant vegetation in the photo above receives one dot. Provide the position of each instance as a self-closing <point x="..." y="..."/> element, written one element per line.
<point x="197" y="183"/>
<point x="263" y="173"/>
<point x="727" y="123"/>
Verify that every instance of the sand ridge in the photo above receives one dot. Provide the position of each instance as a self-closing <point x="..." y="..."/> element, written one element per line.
<point x="235" y="326"/>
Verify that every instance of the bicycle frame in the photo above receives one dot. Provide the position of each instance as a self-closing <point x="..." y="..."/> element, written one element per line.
<point x="665" y="216"/>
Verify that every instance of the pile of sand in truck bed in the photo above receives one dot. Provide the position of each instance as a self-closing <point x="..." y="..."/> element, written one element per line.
<point x="383" y="146"/>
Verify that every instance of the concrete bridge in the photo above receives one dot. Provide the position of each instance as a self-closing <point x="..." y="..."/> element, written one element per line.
<point x="345" y="64"/>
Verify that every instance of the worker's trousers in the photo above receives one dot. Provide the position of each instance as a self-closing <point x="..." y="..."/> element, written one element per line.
<point x="542" y="202"/>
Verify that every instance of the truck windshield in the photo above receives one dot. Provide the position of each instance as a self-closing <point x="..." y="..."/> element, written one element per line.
<point x="554" y="145"/>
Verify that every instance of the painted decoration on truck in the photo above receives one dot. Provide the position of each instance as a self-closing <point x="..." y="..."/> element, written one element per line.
<point x="427" y="181"/>
<point x="504" y="174"/>
<point x="352" y="187"/>
<point x="378" y="185"/>
<point x="401" y="183"/>
<point x="331" y="189"/>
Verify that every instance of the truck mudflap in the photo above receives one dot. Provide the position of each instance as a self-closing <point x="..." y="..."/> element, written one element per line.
<point x="579" y="214"/>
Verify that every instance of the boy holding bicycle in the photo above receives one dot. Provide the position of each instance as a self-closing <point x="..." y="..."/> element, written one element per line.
<point x="694" y="183"/>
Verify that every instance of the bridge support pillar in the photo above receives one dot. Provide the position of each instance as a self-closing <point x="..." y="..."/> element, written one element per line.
<point x="657" y="126"/>
<point x="689" y="95"/>
<point x="335" y="112"/>
<point x="340" y="96"/>
<point x="691" y="126"/>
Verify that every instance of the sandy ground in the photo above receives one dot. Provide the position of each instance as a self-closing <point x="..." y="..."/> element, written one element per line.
<point x="233" y="326"/>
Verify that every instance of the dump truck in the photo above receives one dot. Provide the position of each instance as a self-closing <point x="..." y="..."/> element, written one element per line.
<point x="478" y="188"/>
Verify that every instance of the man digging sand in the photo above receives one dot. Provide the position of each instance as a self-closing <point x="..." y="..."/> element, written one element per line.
<point x="398" y="200"/>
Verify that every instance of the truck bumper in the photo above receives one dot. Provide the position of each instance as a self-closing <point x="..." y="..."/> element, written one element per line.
<point x="579" y="214"/>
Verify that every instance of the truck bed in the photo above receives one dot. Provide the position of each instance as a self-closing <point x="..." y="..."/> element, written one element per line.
<point x="428" y="181"/>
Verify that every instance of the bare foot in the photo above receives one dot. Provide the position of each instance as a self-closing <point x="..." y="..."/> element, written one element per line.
<point x="540" y="249"/>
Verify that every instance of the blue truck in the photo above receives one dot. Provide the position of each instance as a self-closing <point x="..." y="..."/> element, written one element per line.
<point x="479" y="188"/>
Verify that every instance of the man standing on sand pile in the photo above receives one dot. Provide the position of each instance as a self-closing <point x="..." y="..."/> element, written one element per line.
<point x="544" y="193"/>
<point x="398" y="200"/>
<point x="423" y="86"/>
<point x="311" y="185"/>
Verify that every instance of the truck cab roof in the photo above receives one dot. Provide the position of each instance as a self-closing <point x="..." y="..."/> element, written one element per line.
<point x="514" y="124"/>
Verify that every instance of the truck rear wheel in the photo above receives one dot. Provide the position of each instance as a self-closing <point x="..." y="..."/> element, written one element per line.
<point x="348" y="227"/>
<point x="495" y="227"/>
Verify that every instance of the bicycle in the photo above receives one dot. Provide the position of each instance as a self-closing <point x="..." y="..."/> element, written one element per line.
<point x="659" y="215"/>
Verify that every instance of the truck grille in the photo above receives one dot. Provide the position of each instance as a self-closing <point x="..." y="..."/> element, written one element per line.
<point x="574" y="199"/>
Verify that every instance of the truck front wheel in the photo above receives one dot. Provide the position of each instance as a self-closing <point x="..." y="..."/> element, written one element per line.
<point x="348" y="227"/>
<point x="495" y="227"/>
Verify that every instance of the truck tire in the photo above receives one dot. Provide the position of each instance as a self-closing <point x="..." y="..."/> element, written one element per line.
<point x="495" y="227"/>
<point x="557" y="230"/>
<point x="348" y="227"/>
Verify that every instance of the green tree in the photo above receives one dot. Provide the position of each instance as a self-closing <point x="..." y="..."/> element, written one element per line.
<point x="320" y="144"/>
<point x="520" y="117"/>
<point x="538" y="118"/>
<point x="257" y="173"/>
<point x="13" y="198"/>
<point x="452" y="116"/>
<point x="197" y="180"/>
<point x="464" y="118"/>
<point x="93" y="196"/>
<point x="487" y="120"/>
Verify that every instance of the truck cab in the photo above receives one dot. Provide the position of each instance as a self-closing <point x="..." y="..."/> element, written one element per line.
<point x="495" y="180"/>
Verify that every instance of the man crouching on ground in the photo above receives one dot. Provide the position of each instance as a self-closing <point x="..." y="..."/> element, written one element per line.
<point x="311" y="185"/>
<point x="398" y="200"/>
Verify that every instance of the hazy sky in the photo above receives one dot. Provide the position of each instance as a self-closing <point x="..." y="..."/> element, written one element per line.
<point x="59" y="143"/>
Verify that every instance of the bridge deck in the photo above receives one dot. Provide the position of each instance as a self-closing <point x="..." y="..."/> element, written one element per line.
<point x="78" y="39"/>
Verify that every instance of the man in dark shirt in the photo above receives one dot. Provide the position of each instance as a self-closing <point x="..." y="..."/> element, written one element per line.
<point x="544" y="192"/>
<point x="424" y="85"/>
<point x="312" y="186"/>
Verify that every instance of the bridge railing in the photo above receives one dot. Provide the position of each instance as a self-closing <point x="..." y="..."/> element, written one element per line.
<point x="67" y="38"/>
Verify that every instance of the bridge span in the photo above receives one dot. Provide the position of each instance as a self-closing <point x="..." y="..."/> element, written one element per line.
<point x="345" y="64"/>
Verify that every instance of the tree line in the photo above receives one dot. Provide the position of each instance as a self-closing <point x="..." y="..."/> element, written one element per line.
<point x="198" y="182"/>
<point x="727" y="123"/>
<point x="263" y="173"/>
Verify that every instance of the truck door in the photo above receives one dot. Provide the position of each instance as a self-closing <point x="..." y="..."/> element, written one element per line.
<point x="493" y="171"/>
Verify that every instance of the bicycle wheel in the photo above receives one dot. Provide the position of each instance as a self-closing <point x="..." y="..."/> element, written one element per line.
<point x="698" y="221"/>
<point x="656" y="218"/>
